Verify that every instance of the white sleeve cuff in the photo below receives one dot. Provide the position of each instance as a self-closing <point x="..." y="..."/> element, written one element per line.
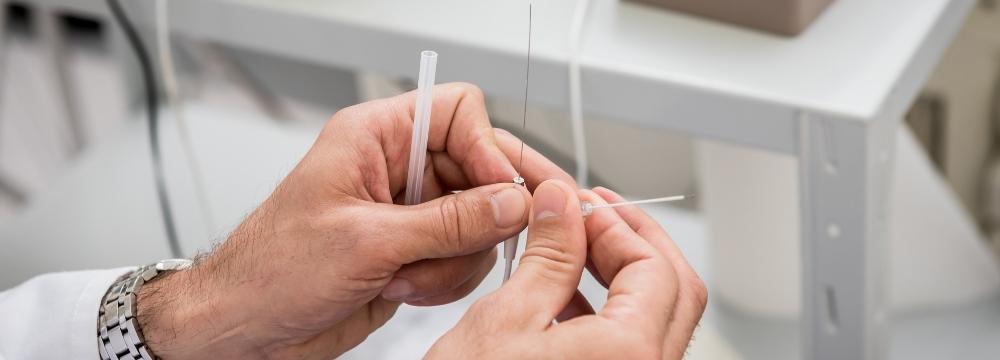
<point x="54" y="316"/>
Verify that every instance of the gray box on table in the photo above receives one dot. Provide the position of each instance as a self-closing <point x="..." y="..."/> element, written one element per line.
<point x="785" y="17"/>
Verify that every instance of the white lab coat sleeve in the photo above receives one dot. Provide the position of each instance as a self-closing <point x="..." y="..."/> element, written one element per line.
<point x="54" y="316"/>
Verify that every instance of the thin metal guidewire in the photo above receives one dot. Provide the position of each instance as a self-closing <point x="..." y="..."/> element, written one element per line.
<point x="527" y="77"/>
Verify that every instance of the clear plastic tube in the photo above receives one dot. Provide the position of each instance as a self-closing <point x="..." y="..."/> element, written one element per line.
<point x="421" y="127"/>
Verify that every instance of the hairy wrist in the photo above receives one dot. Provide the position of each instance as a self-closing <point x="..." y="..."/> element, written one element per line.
<point x="176" y="316"/>
<point x="161" y="312"/>
<point x="210" y="310"/>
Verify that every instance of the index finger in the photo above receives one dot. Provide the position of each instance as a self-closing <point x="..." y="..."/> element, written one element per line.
<point x="460" y="126"/>
<point x="692" y="297"/>
<point x="650" y="230"/>
<point x="643" y="287"/>
<point x="535" y="168"/>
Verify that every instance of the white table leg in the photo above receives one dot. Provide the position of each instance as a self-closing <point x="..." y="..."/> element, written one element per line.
<point x="844" y="175"/>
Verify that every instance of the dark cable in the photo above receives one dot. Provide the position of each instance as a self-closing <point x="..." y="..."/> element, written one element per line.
<point x="152" y="112"/>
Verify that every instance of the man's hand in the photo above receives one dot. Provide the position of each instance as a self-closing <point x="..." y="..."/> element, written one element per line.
<point x="654" y="302"/>
<point x="329" y="256"/>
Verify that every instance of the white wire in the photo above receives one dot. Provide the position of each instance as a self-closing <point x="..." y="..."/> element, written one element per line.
<point x="587" y="207"/>
<point x="647" y="201"/>
<point x="169" y="79"/>
<point x="575" y="93"/>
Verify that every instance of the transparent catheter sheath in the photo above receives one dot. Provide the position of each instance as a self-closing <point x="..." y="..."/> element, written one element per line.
<point x="421" y="127"/>
<point x="510" y="245"/>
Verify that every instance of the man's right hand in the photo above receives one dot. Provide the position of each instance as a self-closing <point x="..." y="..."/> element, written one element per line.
<point x="654" y="303"/>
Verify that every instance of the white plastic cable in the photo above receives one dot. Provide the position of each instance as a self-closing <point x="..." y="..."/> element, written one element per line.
<point x="587" y="207"/>
<point x="575" y="93"/>
<point x="169" y="79"/>
<point x="421" y="127"/>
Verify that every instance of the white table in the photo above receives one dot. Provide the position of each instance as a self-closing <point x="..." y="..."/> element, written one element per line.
<point x="832" y="97"/>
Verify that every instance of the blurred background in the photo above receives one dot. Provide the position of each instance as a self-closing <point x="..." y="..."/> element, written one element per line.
<point x="76" y="183"/>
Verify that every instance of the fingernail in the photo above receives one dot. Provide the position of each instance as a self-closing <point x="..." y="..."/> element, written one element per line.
<point x="549" y="201"/>
<point x="508" y="207"/>
<point x="397" y="290"/>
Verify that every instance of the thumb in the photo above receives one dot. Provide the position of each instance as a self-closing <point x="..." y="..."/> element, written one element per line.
<point x="458" y="224"/>
<point x="554" y="256"/>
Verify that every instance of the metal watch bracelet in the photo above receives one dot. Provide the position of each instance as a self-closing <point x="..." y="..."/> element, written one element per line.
<point x="118" y="333"/>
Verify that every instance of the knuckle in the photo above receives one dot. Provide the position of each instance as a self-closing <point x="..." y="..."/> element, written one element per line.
<point x="471" y="90"/>
<point x="550" y="233"/>
<point x="699" y="292"/>
<point x="486" y="302"/>
<point x="460" y="219"/>
<point x="549" y="249"/>
<point x="450" y="227"/>
<point x="346" y="114"/>
<point x="464" y="217"/>
<point x="552" y="265"/>
<point x="616" y="232"/>
<point x="351" y="118"/>
<point x="485" y="308"/>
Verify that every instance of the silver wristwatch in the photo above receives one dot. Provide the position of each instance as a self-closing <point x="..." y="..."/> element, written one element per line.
<point x="118" y="333"/>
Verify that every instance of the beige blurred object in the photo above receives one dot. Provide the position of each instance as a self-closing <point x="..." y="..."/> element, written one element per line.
<point x="965" y="82"/>
<point x="784" y="17"/>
